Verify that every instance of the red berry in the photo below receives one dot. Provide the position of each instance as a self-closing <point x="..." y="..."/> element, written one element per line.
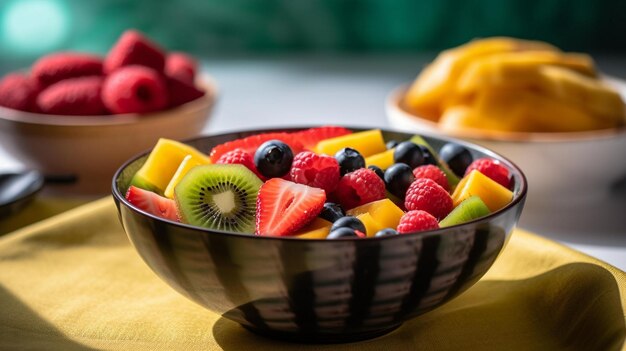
<point x="251" y="143"/>
<point x="75" y="96"/>
<point x="63" y="65"/>
<point x="134" y="89"/>
<point x="492" y="169"/>
<point x="18" y="92"/>
<point x="152" y="203"/>
<point x="359" y="187"/>
<point x="240" y="157"/>
<point x="426" y="195"/>
<point x="432" y="172"/>
<point x="310" y="137"/>
<point x="315" y="170"/>
<point x="181" y="66"/>
<point x="133" y="48"/>
<point x="417" y="221"/>
<point x="181" y="91"/>
<point x="283" y="207"/>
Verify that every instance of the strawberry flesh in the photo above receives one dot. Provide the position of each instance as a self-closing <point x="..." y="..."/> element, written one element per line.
<point x="251" y="143"/>
<point x="310" y="137"/>
<point x="283" y="207"/>
<point x="152" y="203"/>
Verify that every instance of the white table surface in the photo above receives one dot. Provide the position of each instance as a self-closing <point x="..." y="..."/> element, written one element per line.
<point x="305" y="90"/>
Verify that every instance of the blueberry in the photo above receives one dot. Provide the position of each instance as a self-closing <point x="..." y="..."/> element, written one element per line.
<point x="379" y="172"/>
<point x="408" y="153"/>
<point x="386" y="232"/>
<point x="332" y="212"/>
<point x="457" y="157"/>
<point x="391" y="144"/>
<point x="343" y="232"/>
<point x="398" y="178"/>
<point x="273" y="159"/>
<point x="348" y="222"/>
<point x="429" y="159"/>
<point x="349" y="160"/>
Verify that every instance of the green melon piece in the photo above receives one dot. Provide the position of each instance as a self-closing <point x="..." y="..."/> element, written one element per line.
<point x="469" y="209"/>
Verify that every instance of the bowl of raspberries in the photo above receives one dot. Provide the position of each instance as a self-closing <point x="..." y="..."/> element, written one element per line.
<point x="320" y="235"/>
<point x="77" y="116"/>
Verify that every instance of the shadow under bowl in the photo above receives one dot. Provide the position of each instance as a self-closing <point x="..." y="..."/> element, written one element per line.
<point x="81" y="153"/>
<point x="316" y="290"/>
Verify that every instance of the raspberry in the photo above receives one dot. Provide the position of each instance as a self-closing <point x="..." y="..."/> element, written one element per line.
<point x="75" y="96"/>
<point x="134" y="89"/>
<point x="432" y="172"/>
<point x="181" y="92"/>
<point x="239" y="157"/>
<point x="132" y="48"/>
<point x="426" y="195"/>
<point x="57" y="67"/>
<point x="492" y="169"/>
<point x="417" y="221"/>
<point x="319" y="171"/>
<point x="18" y="92"/>
<point x="181" y="66"/>
<point x="359" y="187"/>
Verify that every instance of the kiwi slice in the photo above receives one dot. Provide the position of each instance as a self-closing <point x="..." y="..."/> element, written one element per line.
<point x="219" y="197"/>
<point x="471" y="208"/>
<point x="453" y="180"/>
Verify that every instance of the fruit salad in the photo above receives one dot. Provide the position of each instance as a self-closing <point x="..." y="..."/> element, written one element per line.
<point x="324" y="182"/>
<point x="513" y="85"/>
<point x="136" y="76"/>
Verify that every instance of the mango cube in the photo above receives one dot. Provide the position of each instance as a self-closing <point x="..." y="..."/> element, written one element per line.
<point x="163" y="162"/>
<point x="384" y="212"/>
<point x="186" y="164"/>
<point x="317" y="229"/>
<point x="494" y="195"/>
<point x="383" y="160"/>
<point x="371" y="225"/>
<point x="367" y="143"/>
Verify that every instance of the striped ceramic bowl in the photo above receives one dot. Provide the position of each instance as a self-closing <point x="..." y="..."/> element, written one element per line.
<point x="311" y="290"/>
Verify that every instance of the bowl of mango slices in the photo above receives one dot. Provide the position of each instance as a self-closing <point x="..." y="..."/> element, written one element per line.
<point x="550" y="111"/>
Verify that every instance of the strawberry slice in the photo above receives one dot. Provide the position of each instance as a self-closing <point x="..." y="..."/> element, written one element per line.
<point x="152" y="203"/>
<point x="283" y="207"/>
<point x="310" y="137"/>
<point x="251" y="143"/>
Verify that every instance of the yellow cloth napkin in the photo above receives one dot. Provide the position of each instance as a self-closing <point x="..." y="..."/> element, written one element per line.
<point x="73" y="282"/>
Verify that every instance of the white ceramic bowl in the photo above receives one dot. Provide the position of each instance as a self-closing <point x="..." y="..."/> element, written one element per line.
<point x="90" y="148"/>
<point x="562" y="168"/>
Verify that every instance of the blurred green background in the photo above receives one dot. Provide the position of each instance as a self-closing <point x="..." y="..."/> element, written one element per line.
<point x="214" y="28"/>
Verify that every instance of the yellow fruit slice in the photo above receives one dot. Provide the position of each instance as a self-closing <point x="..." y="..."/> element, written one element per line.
<point x="371" y="226"/>
<point x="163" y="162"/>
<point x="317" y="229"/>
<point x="186" y="164"/>
<point x="586" y="93"/>
<point x="367" y="143"/>
<point x="384" y="212"/>
<point x="518" y="69"/>
<point x="383" y="159"/>
<point x="429" y="90"/>
<point x="494" y="195"/>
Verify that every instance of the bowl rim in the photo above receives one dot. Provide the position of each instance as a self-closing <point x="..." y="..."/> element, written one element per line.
<point x="394" y="105"/>
<point x="203" y="80"/>
<point x="517" y="198"/>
